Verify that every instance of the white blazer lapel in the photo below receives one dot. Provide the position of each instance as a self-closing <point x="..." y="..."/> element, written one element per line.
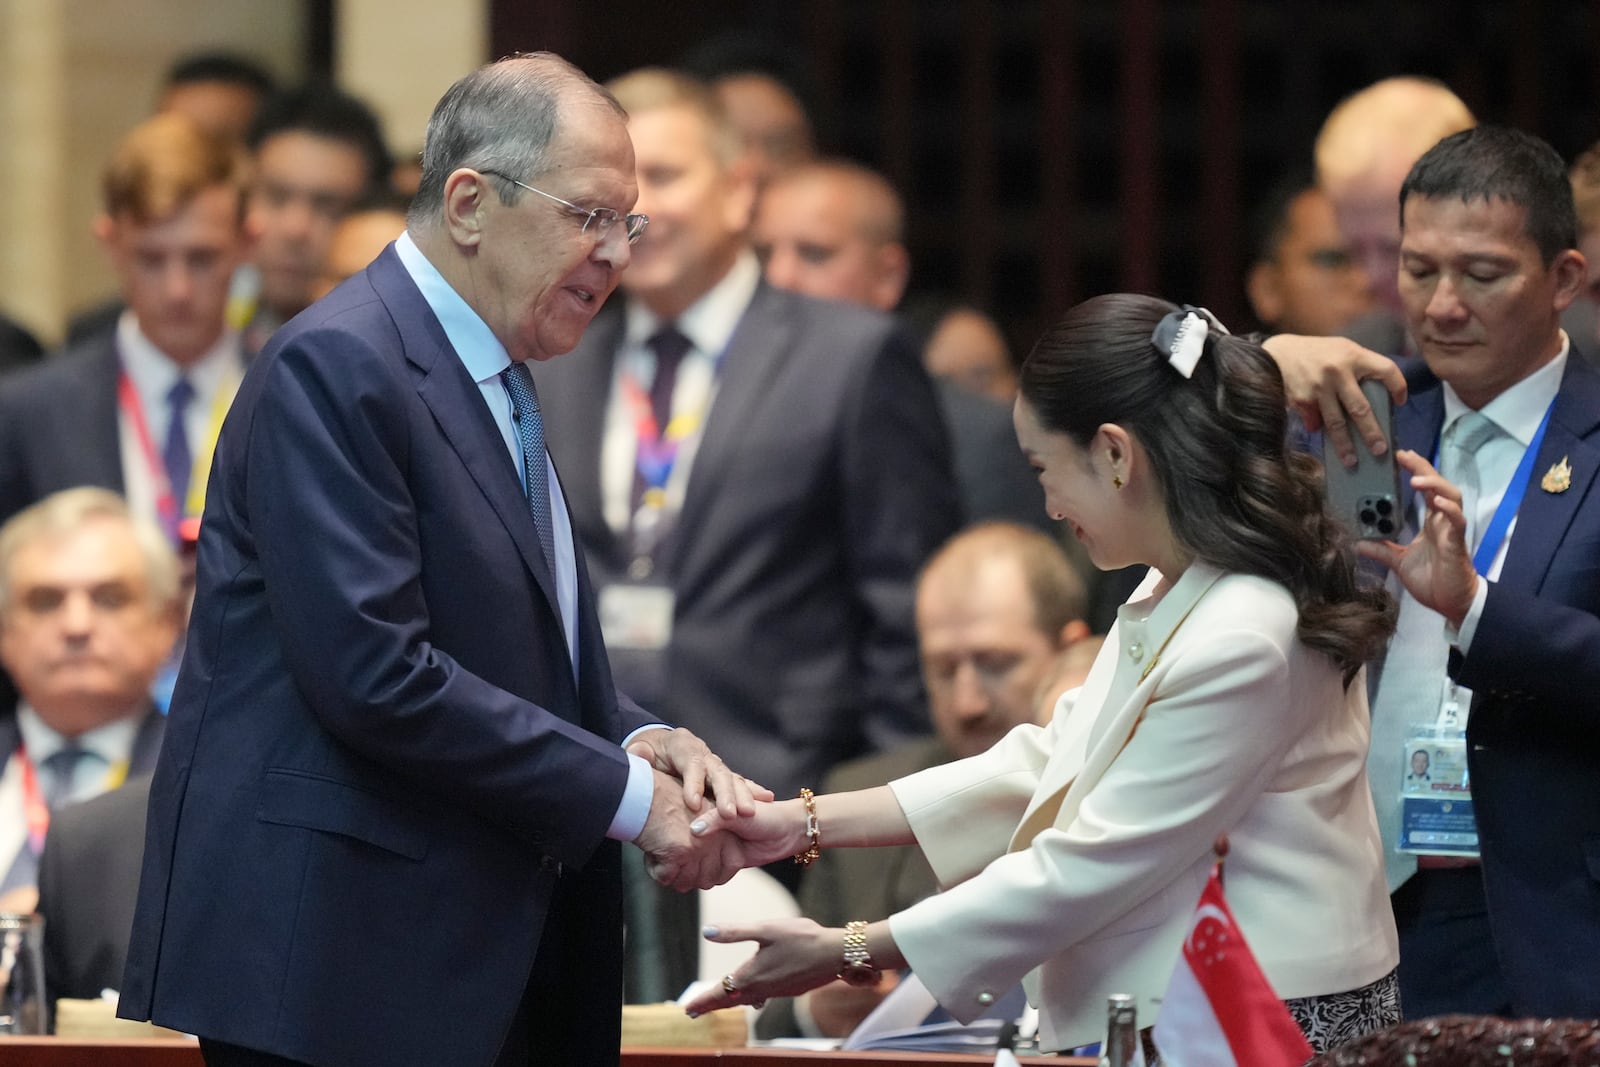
<point x="1120" y="686"/>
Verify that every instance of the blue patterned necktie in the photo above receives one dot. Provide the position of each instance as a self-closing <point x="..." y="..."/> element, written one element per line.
<point x="175" y="454"/>
<point x="530" y="429"/>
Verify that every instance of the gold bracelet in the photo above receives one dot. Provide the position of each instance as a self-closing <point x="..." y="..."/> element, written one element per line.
<point x="813" y="830"/>
<point x="858" y="968"/>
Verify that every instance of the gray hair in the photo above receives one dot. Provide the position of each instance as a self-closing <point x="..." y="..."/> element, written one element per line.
<point x="501" y="117"/>
<point x="62" y="514"/>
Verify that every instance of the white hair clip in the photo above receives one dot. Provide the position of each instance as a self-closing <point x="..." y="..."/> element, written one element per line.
<point x="1182" y="336"/>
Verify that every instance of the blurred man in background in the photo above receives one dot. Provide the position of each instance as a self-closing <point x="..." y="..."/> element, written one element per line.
<point x="1363" y="152"/>
<point x="89" y="609"/>
<point x="997" y="607"/>
<point x="1303" y="278"/>
<point x="318" y="153"/>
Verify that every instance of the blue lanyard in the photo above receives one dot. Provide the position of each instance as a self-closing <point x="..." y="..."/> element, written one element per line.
<point x="1494" y="535"/>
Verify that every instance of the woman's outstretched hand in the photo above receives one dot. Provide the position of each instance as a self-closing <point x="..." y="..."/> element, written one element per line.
<point x="792" y="957"/>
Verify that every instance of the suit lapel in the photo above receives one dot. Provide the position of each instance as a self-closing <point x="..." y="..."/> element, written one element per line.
<point x="463" y="419"/>
<point x="575" y="422"/>
<point x="1110" y="707"/>
<point x="756" y="352"/>
<point x="104" y="455"/>
<point x="1544" y="517"/>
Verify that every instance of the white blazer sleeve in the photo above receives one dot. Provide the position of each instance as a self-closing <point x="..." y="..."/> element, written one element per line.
<point x="1220" y="721"/>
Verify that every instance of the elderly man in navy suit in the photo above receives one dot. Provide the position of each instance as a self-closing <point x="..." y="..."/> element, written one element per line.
<point x="1501" y="607"/>
<point x="385" y="826"/>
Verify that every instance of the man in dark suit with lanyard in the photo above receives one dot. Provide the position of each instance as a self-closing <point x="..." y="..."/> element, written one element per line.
<point x="757" y="475"/>
<point x="135" y="409"/>
<point x="1501" y="578"/>
<point x="385" y="825"/>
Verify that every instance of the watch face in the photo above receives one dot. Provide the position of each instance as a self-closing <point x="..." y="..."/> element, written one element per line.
<point x="861" y="975"/>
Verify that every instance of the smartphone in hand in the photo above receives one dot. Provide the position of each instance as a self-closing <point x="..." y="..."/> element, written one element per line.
<point x="1366" y="497"/>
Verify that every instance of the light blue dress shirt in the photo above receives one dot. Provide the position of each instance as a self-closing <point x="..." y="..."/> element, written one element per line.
<point x="484" y="358"/>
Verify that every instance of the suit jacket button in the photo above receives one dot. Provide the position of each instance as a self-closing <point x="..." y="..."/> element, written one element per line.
<point x="986" y="998"/>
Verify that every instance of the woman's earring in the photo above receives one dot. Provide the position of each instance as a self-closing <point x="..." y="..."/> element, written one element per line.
<point x="1116" y="480"/>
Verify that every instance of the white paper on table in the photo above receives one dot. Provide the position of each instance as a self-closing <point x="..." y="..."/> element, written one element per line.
<point x="907" y="1004"/>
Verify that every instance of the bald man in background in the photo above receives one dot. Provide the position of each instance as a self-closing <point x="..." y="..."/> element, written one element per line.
<point x="1364" y="150"/>
<point x="997" y="608"/>
<point x="834" y="229"/>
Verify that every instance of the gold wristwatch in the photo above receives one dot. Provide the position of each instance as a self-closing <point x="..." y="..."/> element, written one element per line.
<point x="858" y="968"/>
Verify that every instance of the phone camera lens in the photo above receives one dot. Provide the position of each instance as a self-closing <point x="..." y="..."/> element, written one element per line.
<point x="1385" y="526"/>
<point x="1384" y="507"/>
<point x="1369" y="517"/>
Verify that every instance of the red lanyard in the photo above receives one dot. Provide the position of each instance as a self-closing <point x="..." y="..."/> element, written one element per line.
<point x="133" y="411"/>
<point x="34" y="809"/>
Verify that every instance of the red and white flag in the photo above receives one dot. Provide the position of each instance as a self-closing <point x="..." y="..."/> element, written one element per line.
<point x="1219" y="1010"/>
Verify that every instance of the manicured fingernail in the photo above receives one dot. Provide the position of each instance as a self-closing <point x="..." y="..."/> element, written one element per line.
<point x="709" y="931"/>
<point x="698" y="826"/>
<point x="692" y="1014"/>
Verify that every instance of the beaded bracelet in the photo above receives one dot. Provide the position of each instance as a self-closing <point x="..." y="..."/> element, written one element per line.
<point x="813" y="830"/>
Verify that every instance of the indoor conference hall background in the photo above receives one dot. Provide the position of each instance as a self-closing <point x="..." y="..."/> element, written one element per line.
<point x="906" y="567"/>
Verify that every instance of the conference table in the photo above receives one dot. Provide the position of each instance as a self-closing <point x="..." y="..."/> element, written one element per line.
<point x="67" y="1052"/>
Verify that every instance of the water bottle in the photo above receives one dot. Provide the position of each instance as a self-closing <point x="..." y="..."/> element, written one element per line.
<point x="1121" y="1047"/>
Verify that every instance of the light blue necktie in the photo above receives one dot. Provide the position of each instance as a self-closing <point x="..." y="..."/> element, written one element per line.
<point x="1458" y="463"/>
<point x="1412" y="683"/>
<point x="530" y="429"/>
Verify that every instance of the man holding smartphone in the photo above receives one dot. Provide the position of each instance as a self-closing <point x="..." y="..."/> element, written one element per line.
<point x="1504" y="564"/>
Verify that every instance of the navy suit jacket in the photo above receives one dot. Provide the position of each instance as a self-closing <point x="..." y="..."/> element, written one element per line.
<point x="1534" y="733"/>
<point x="821" y="483"/>
<point x="380" y="772"/>
<point x="58" y="425"/>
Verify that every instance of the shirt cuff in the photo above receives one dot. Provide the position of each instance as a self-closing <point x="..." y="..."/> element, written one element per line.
<point x="634" y="810"/>
<point x="1462" y="637"/>
<point x="626" y="741"/>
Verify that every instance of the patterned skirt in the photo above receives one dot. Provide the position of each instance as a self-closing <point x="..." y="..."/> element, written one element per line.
<point x="1333" y="1019"/>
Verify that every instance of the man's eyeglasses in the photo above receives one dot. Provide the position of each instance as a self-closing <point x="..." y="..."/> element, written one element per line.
<point x="602" y="218"/>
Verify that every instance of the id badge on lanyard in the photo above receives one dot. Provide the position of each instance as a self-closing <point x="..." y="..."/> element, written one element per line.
<point x="1436" y="817"/>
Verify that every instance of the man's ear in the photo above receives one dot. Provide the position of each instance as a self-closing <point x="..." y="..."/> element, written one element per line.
<point x="1261" y="288"/>
<point x="894" y="271"/>
<point x="1072" y="633"/>
<point x="466" y="202"/>
<point x="739" y="203"/>
<point x="104" y="229"/>
<point x="1571" y="274"/>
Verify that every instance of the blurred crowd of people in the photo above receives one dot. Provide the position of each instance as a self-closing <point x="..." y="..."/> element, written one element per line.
<point x="840" y="570"/>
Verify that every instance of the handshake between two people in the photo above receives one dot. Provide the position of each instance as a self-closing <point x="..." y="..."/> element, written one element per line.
<point x="692" y="844"/>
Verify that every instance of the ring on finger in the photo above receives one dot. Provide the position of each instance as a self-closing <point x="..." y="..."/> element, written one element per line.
<point x="728" y="987"/>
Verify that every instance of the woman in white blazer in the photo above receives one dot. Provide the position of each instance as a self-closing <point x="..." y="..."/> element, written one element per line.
<point x="1227" y="700"/>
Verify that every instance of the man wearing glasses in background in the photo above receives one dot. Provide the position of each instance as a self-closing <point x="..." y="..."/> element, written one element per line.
<point x="385" y="830"/>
